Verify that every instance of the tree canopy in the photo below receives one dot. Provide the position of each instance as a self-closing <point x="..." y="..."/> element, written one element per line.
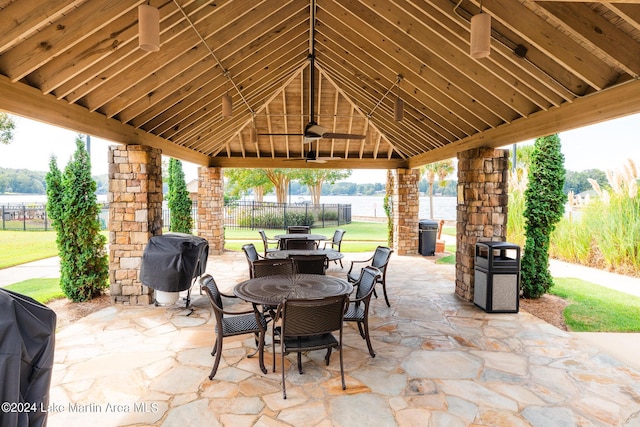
<point x="7" y="126"/>
<point x="314" y="178"/>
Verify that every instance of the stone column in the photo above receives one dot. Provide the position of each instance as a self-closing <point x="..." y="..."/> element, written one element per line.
<point x="211" y="208"/>
<point x="482" y="208"/>
<point x="135" y="215"/>
<point x="406" y="207"/>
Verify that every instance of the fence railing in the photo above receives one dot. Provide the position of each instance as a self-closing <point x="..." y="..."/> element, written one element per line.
<point x="271" y="215"/>
<point x="239" y="214"/>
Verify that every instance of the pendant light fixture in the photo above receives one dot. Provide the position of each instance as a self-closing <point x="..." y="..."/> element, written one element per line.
<point x="480" y="34"/>
<point x="398" y="106"/>
<point x="148" y="28"/>
<point x="227" y="101"/>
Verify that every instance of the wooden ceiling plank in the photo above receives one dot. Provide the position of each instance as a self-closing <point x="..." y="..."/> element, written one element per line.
<point x="213" y="99"/>
<point x="61" y="35"/>
<point x="427" y="18"/>
<point x="268" y="163"/>
<point x="81" y="62"/>
<point x="419" y="74"/>
<point x="270" y="56"/>
<point x="628" y="12"/>
<point x="613" y="103"/>
<point x="196" y="129"/>
<point x="548" y="39"/>
<point x="175" y="88"/>
<point x="166" y="86"/>
<point x="180" y="38"/>
<point x="29" y="102"/>
<point x="429" y="35"/>
<point x="21" y="19"/>
<point x="392" y="42"/>
<point x="585" y="24"/>
<point x="436" y="127"/>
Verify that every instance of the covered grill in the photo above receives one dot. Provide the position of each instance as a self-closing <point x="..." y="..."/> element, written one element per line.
<point x="27" y="341"/>
<point x="172" y="262"/>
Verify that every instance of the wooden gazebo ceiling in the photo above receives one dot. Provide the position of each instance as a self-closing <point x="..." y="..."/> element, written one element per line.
<point x="553" y="66"/>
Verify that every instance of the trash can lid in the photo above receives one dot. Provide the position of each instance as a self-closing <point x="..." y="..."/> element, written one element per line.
<point x="428" y="224"/>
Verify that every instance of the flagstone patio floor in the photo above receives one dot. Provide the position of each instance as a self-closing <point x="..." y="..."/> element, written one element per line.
<point x="440" y="361"/>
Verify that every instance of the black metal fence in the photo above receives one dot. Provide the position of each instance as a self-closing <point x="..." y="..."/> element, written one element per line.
<point x="33" y="217"/>
<point x="239" y="214"/>
<point x="270" y="215"/>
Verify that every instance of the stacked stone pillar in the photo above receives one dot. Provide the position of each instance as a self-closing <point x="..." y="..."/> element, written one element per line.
<point x="406" y="207"/>
<point x="482" y="208"/>
<point x="211" y="208"/>
<point x="135" y="215"/>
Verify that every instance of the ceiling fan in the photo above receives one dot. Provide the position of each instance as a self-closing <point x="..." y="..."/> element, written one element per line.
<point x="311" y="156"/>
<point x="313" y="131"/>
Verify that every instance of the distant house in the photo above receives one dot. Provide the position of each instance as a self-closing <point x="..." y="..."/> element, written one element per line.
<point x="192" y="187"/>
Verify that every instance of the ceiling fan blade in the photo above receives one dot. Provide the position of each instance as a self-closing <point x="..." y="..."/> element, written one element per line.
<point x="281" y="134"/>
<point x="331" y="135"/>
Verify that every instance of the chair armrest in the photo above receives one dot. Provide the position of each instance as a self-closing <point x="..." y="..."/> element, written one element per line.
<point x="238" y="312"/>
<point x="358" y="262"/>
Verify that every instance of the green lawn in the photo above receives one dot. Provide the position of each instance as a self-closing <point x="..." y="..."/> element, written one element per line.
<point x="596" y="308"/>
<point x="42" y="290"/>
<point x="18" y="247"/>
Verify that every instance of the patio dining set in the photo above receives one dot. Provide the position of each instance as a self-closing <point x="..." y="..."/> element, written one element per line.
<point x="289" y="290"/>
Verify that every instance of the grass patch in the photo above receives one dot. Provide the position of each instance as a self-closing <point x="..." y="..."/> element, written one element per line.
<point x="42" y="290"/>
<point x="596" y="308"/>
<point x="359" y="236"/>
<point x="18" y="247"/>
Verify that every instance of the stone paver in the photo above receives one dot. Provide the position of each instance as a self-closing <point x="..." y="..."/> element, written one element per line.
<point x="440" y="361"/>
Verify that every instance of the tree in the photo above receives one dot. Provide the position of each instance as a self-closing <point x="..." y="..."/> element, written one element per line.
<point x="544" y="207"/>
<point x="7" y="126"/>
<point x="241" y="180"/>
<point x="442" y="170"/>
<point x="280" y="179"/>
<point x="73" y="207"/>
<point x="314" y="178"/>
<point x="178" y="199"/>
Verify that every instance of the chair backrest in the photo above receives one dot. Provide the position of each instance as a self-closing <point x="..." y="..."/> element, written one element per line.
<point x="273" y="267"/>
<point x="309" y="264"/>
<point x="211" y="289"/>
<point x="337" y="238"/>
<point x="381" y="258"/>
<point x="252" y="255"/>
<point x="297" y="244"/>
<point x="367" y="282"/>
<point x="263" y="236"/>
<point x="298" y="229"/>
<point x="304" y="317"/>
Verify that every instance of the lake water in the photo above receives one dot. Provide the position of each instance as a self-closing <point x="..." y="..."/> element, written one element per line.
<point x="371" y="206"/>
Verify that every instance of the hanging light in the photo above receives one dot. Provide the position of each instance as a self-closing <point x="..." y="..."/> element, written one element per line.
<point x="398" y="105"/>
<point x="480" y="34"/>
<point x="227" y="101"/>
<point x="148" y="28"/>
<point x="227" y="105"/>
<point x="398" y="109"/>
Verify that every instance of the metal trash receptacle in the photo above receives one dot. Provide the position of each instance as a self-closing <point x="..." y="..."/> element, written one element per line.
<point x="497" y="277"/>
<point x="428" y="234"/>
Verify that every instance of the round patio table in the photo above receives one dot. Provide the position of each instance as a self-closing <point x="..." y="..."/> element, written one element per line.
<point x="300" y="236"/>
<point x="272" y="290"/>
<point x="332" y="254"/>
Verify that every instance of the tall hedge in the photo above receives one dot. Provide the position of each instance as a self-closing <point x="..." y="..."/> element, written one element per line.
<point x="178" y="199"/>
<point x="73" y="207"/>
<point x="544" y="207"/>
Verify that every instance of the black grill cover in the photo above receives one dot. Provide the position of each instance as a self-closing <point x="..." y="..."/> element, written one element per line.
<point x="170" y="262"/>
<point x="27" y="341"/>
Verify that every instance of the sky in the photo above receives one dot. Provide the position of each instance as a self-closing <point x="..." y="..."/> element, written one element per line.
<point x="605" y="146"/>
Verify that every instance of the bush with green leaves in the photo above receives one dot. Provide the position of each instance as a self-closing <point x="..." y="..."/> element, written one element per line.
<point x="73" y="207"/>
<point x="180" y="205"/>
<point x="544" y="207"/>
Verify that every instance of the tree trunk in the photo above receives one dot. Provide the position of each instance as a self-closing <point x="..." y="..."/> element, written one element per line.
<point x="258" y="194"/>
<point x="316" y="192"/>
